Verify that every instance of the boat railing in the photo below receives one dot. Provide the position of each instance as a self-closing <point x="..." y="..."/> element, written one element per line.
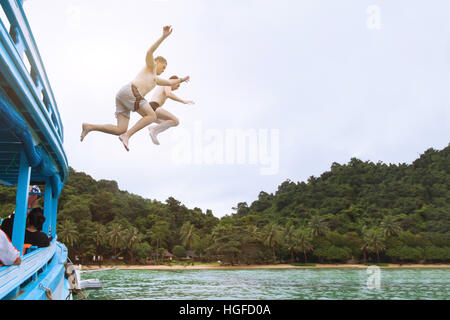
<point x="32" y="266"/>
<point x="33" y="146"/>
<point x="17" y="39"/>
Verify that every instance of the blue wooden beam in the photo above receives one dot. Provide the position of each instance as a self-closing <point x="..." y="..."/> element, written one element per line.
<point x="48" y="212"/>
<point x="20" y="217"/>
<point x="54" y="214"/>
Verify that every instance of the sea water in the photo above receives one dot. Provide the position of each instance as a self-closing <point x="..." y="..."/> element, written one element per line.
<point x="271" y="284"/>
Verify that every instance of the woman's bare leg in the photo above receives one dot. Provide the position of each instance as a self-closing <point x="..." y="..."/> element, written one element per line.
<point x="121" y="127"/>
<point x="165" y="121"/>
<point x="148" y="116"/>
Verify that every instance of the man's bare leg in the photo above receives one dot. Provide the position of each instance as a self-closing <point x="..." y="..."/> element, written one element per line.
<point x="148" y="116"/>
<point x="121" y="127"/>
<point x="165" y="121"/>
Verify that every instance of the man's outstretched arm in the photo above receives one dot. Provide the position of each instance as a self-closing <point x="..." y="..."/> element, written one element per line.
<point x="167" y="30"/>
<point x="170" y="82"/>
<point x="171" y="95"/>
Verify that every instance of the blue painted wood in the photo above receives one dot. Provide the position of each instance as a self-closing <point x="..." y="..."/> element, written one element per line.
<point x="20" y="83"/>
<point x="52" y="278"/>
<point x="28" y="106"/>
<point x="48" y="201"/>
<point x="11" y="277"/>
<point x="21" y="203"/>
<point x="54" y="213"/>
<point x="31" y="88"/>
<point x="16" y="16"/>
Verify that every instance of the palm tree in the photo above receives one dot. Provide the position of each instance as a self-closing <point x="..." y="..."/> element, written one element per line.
<point x="158" y="233"/>
<point x="290" y="240"/>
<point x="115" y="236"/>
<point x="365" y="246"/>
<point x="67" y="232"/>
<point x="390" y="226"/>
<point x="99" y="238"/>
<point x="272" y="237"/>
<point x="304" y="241"/>
<point x="188" y="236"/>
<point x="318" y="226"/>
<point x="373" y="241"/>
<point x="224" y="243"/>
<point x="377" y="243"/>
<point x="367" y="241"/>
<point x="132" y="236"/>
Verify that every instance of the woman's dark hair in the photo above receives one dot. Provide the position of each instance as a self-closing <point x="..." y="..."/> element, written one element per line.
<point x="36" y="218"/>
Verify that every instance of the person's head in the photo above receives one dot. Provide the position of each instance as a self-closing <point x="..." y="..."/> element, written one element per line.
<point x="33" y="196"/>
<point x="175" y="86"/>
<point x="161" y="64"/>
<point x="36" y="218"/>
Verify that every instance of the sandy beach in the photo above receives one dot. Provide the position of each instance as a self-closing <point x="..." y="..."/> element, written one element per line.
<point x="268" y="266"/>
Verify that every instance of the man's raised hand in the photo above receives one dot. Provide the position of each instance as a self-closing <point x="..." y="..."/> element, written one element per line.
<point x="167" y="30"/>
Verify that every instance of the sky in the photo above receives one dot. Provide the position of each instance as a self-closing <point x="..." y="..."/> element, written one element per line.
<point x="282" y="89"/>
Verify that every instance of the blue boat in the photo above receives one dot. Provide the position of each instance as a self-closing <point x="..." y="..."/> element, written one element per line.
<point x="31" y="152"/>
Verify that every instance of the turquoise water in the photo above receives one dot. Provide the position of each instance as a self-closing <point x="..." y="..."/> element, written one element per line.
<point x="270" y="284"/>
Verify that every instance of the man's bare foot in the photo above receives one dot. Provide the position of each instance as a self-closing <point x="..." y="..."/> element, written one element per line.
<point x="85" y="130"/>
<point x="124" y="139"/>
<point x="153" y="135"/>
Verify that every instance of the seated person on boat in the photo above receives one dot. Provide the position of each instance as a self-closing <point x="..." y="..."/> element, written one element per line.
<point x="8" y="254"/>
<point x="33" y="200"/>
<point x="33" y="233"/>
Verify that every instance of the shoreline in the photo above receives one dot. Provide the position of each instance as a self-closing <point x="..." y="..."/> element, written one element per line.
<point x="268" y="266"/>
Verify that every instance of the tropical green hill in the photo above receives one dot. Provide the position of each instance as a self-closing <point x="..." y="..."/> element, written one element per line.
<point x="356" y="212"/>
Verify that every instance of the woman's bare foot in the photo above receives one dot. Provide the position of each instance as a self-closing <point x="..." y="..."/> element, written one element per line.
<point x="124" y="139"/>
<point x="85" y="130"/>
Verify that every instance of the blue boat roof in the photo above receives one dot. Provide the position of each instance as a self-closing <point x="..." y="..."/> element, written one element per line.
<point x="29" y="114"/>
<point x="31" y="151"/>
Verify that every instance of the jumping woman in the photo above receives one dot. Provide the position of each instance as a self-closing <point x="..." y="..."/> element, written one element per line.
<point x="165" y="119"/>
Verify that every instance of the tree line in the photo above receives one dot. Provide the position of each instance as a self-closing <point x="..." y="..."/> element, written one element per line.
<point x="359" y="212"/>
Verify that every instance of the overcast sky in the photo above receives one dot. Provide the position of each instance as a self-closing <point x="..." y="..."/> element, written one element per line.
<point x="312" y="82"/>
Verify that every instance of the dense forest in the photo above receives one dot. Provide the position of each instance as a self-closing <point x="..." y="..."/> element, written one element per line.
<point x="359" y="212"/>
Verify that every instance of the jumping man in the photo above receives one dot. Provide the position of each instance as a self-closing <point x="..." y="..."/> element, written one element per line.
<point x="131" y="97"/>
